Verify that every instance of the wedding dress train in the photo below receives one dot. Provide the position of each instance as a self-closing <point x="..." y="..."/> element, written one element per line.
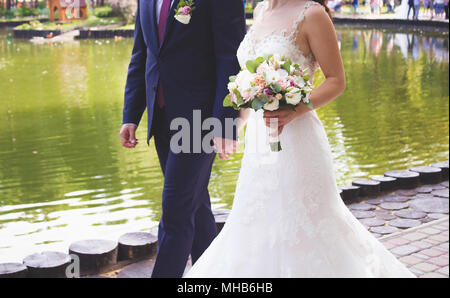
<point x="288" y="219"/>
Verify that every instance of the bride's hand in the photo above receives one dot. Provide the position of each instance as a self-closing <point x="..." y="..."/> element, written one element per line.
<point x="283" y="116"/>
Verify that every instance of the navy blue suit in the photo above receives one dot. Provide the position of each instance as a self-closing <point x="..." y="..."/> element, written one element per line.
<point x="193" y="64"/>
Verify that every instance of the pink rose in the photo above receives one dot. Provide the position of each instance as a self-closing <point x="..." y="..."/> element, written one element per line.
<point x="185" y="10"/>
<point x="233" y="97"/>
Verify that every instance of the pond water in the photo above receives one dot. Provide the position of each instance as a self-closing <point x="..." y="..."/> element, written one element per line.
<point x="64" y="175"/>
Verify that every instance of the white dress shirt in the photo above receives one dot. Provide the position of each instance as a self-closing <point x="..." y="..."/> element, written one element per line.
<point x="159" y="4"/>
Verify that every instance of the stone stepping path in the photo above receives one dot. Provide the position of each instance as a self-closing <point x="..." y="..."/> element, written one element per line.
<point x="424" y="249"/>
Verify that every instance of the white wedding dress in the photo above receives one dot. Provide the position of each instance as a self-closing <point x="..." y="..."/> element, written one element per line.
<point x="288" y="219"/>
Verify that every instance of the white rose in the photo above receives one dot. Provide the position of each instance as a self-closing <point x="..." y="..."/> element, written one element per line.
<point x="232" y="86"/>
<point x="272" y="76"/>
<point x="299" y="81"/>
<point x="294" y="96"/>
<point x="306" y="99"/>
<point x="272" y="105"/>
<point x="184" y="19"/>
<point x="243" y="80"/>
<point x="282" y="73"/>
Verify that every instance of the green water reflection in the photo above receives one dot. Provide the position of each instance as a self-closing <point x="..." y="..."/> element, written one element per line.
<point x="64" y="175"/>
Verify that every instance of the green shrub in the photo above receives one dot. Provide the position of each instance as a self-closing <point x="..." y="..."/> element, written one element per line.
<point x="25" y="11"/>
<point x="103" y="12"/>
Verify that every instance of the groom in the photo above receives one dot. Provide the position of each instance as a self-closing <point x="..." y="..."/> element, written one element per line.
<point x="180" y="65"/>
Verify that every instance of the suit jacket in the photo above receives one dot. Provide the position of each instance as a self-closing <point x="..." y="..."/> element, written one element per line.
<point x="193" y="62"/>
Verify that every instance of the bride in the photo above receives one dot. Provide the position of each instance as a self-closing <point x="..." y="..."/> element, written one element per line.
<point x="288" y="219"/>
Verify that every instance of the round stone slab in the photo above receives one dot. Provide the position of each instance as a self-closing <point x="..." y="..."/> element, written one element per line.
<point x="95" y="254"/>
<point x="368" y="187"/>
<point x="424" y="189"/>
<point x="444" y="168"/>
<point x="394" y="206"/>
<point x="433" y="205"/>
<point x="384" y="215"/>
<point x="363" y="214"/>
<point x="445" y="184"/>
<point x="362" y="207"/>
<point x="405" y="179"/>
<point x="436" y="215"/>
<point x="13" y="270"/>
<point x="395" y="199"/>
<point x="384" y="230"/>
<point x="349" y="193"/>
<point x="372" y="222"/>
<point x="48" y="264"/>
<point x="428" y="175"/>
<point x="403" y="223"/>
<point x="443" y="193"/>
<point x="137" y="246"/>
<point x="373" y="201"/>
<point x="386" y="183"/>
<point x="410" y="214"/>
<point x="406" y="193"/>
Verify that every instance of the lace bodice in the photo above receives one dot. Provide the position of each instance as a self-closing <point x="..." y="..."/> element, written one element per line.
<point x="279" y="41"/>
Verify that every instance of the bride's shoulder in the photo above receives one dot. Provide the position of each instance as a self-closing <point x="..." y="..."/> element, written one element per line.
<point x="259" y="8"/>
<point x="315" y="10"/>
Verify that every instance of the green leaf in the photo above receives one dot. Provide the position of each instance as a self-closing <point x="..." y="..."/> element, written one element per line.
<point x="260" y="60"/>
<point x="309" y="105"/>
<point x="232" y="79"/>
<point x="263" y="98"/>
<point x="286" y="66"/>
<point x="239" y="101"/>
<point x="256" y="104"/>
<point x="251" y="66"/>
<point x="227" y="101"/>
<point x="275" y="88"/>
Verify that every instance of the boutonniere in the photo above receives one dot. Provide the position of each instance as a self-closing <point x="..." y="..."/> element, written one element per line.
<point x="183" y="12"/>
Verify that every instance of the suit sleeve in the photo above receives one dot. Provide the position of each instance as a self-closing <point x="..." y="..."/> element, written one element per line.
<point x="134" y="99"/>
<point x="228" y="26"/>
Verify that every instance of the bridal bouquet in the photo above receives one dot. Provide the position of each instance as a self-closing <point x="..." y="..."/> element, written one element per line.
<point x="269" y="83"/>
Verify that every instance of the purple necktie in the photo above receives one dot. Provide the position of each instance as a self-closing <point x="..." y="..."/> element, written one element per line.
<point x="163" y="15"/>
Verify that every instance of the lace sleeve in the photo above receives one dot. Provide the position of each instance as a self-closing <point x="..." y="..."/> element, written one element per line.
<point x="302" y="15"/>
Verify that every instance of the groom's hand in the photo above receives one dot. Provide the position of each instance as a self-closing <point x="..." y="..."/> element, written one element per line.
<point x="225" y="147"/>
<point x="128" y="136"/>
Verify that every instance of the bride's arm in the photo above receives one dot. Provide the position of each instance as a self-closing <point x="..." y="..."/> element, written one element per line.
<point x="319" y="33"/>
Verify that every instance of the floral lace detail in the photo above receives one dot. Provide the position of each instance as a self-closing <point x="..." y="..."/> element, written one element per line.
<point x="284" y="40"/>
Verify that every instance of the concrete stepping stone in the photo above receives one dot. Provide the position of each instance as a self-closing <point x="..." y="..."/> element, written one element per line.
<point x="444" y="168"/>
<point x="424" y="189"/>
<point x="141" y="269"/>
<point x="428" y="175"/>
<point x="405" y="179"/>
<point x="349" y="193"/>
<point x="443" y="193"/>
<point x="362" y="207"/>
<point x="367" y="187"/>
<point x="363" y="214"/>
<point x="384" y="230"/>
<point x="394" y="206"/>
<point x="395" y="199"/>
<point x="374" y="201"/>
<point x="372" y="222"/>
<point x="137" y="246"/>
<point x="406" y="193"/>
<point x="47" y="264"/>
<point x="384" y="215"/>
<point x="445" y="184"/>
<point x="95" y="255"/>
<point x="13" y="270"/>
<point x="435" y="186"/>
<point x="404" y="223"/>
<point x="410" y="214"/>
<point x="386" y="183"/>
<point x="434" y="205"/>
